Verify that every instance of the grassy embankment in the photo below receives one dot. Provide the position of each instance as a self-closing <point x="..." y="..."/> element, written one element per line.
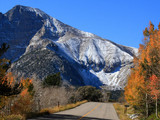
<point x="48" y="111"/>
<point x="123" y="116"/>
<point x="62" y="108"/>
<point x="45" y="111"/>
<point x="120" y="111"/>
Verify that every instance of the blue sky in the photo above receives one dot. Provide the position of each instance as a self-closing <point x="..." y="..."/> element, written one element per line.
<point x="121" y="21"/>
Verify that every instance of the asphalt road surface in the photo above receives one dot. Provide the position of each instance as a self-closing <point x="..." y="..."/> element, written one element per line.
<point x="87" y="111"/>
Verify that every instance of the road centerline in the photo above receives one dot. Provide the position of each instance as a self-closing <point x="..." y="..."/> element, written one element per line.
<point x="89" y="112"/>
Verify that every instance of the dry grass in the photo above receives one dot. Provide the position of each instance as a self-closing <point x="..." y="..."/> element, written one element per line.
<point x="12" y="117"/>
<point x="48" y="111"/>
<point x="120" y="111"/>
<point x="62" y="108"/>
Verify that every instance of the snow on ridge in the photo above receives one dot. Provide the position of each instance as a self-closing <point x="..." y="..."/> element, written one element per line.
<point x="87" y="34"/>
<point x="30" y="9"/>
<point x="99" y="52"/>
<point x="84" y="48"/>
<point x="54" y="23"/>
<point x="94" y="50"/>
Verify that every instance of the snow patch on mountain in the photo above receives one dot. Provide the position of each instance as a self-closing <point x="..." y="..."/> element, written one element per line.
<point x="98" y="61"/>
<point x="93" y="49"/>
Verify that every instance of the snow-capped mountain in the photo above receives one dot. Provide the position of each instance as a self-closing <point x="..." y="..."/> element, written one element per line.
<point x="42" y="45"/>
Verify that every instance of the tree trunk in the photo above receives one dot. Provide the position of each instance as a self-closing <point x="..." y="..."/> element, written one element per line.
<point x="156" y="109"/>
<point x="146" y="105"/>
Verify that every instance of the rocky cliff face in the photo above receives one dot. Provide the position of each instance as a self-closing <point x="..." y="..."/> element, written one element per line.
<point x="42" y="45"/>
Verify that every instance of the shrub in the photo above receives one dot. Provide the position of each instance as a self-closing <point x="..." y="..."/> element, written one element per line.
<point x="23" y="102"/>
<point x="52" y="80"/>
<point x="89" y="93"/>
<point x="22" y="105"/>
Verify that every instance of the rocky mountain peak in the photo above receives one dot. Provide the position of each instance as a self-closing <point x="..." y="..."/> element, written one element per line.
<point x="18" y="11"/>
<point x="82" y="58"/>
<point x="1" y="16"/>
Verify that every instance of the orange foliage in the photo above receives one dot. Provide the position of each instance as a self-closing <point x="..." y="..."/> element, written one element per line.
<point x="24" y="92"/>
<point x="10" y="78"/>
<point x="147" y="63"/>
<point x="22" y="105"/>
<point x="154" y="86"/>
<point x="134" y="88"/>
<point x="25" y="83"/>
<point x="24" y="102"/>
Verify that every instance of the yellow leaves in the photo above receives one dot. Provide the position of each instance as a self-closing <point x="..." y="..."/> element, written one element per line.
<point x="10" y="78"/>
<point x="141" y="47"/>
<point x="134" y="87"/>
<point x="23" y="99"/>
<point x="26" y="84"/>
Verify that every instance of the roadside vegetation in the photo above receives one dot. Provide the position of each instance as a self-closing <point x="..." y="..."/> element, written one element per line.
<point x="143" y="88"/>
<point x="47" y="111"/>
<point x="142" y="92"/>
<point x="62" y="107"/>
<point x="121" y="111"/>
<point x="130" y="113"/>
<point x="22" y="98"/>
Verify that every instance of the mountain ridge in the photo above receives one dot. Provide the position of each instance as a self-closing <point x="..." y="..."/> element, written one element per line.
<point x="92" y="59"/>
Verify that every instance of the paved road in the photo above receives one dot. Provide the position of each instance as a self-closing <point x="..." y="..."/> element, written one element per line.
<point x="87" y="111"/>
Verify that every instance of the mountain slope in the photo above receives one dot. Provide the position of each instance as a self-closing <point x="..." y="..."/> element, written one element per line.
<point x="82" y="58"/>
